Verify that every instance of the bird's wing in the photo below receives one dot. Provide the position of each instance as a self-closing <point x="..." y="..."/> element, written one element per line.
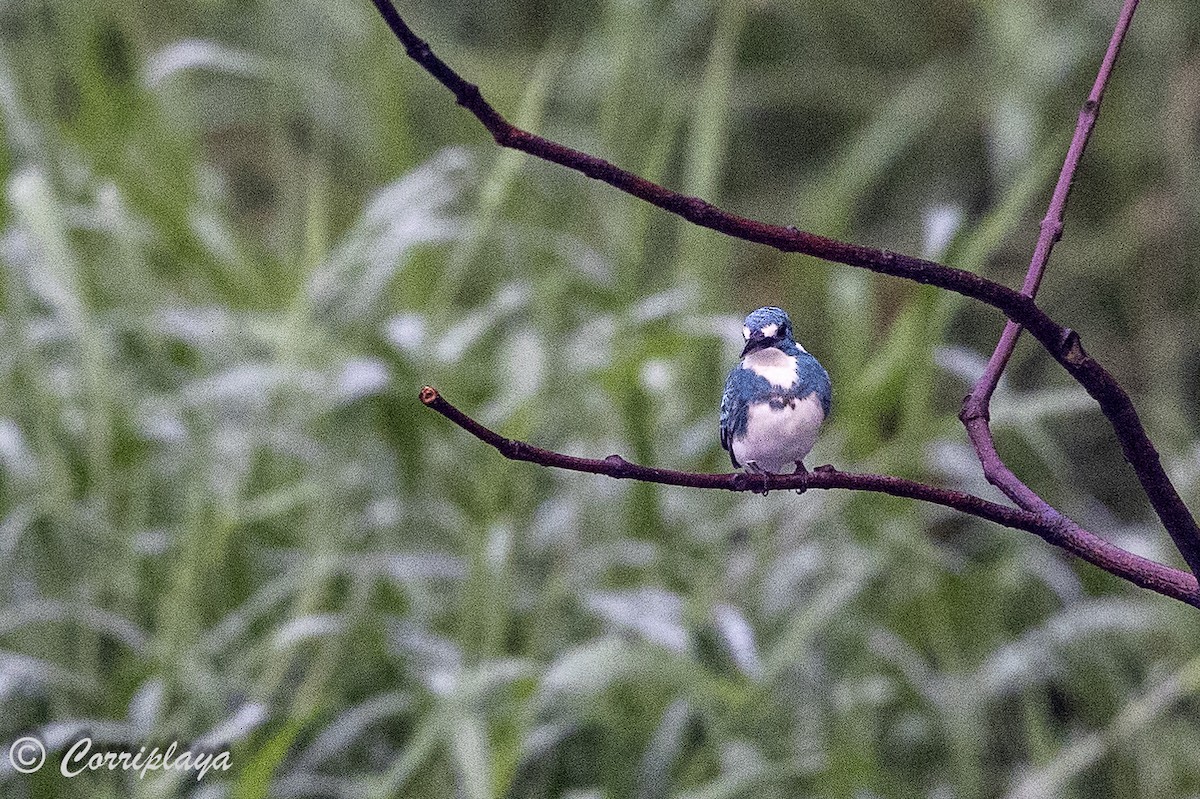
<point x="811" y="378"/>
<point x="729" y="412"/>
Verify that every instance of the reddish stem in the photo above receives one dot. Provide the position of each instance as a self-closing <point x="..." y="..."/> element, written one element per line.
<point x="1052" y="224"/>
<point x="975" y="413"/>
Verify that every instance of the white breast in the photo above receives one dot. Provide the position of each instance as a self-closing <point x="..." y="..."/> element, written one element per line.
<point x="776" y="366"/>
<point x="776" y="439"/>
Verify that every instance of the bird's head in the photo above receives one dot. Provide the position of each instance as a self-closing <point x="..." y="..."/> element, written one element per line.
<point x="766" y="327"/>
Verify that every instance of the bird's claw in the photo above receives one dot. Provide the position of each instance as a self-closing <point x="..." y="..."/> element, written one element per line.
<point x="752" y="467"/>
<point x="800" y="469"/>
<point x="742" y="482"/>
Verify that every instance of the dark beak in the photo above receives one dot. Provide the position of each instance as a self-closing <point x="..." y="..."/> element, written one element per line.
<point x="757" y="341"/>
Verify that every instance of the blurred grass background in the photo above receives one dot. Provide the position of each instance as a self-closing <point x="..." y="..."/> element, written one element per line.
<point x="237" y="237"/>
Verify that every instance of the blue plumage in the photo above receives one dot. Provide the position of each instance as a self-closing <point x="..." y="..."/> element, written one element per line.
<point x="775" y="399"/>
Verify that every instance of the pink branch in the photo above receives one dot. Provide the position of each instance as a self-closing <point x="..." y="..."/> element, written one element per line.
<point x="975" y="413"/>
<point x="1052" y="224"/>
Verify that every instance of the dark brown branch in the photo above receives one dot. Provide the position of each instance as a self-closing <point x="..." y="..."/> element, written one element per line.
<point x="704" y="214"/>
<point x="1079" y="542"/>
<point x="1062" y="343"/>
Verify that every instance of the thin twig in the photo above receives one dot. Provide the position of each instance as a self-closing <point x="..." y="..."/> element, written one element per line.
<point x="1052" y="224"/>
<point x="1062" y="343"/>
<point x="1079" y="542"/>
<point x="975" y="413"/>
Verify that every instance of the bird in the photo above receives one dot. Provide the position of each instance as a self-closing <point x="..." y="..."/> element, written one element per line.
<point x="775" y="399"/>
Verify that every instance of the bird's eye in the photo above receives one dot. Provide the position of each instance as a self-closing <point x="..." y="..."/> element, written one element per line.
<point x="746" y="333"/>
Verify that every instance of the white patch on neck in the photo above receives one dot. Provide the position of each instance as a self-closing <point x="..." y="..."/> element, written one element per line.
<point x="776" y="366"/>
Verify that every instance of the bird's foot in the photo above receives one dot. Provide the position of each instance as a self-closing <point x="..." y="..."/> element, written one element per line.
<point x="800" y="469"/>
<point x="752" y="467"/>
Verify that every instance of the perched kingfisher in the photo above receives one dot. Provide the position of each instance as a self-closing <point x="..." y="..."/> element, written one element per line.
<point x="775" y="399"/>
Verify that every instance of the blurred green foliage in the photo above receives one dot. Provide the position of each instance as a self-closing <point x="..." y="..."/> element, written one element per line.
<point x="236" y="238"/>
